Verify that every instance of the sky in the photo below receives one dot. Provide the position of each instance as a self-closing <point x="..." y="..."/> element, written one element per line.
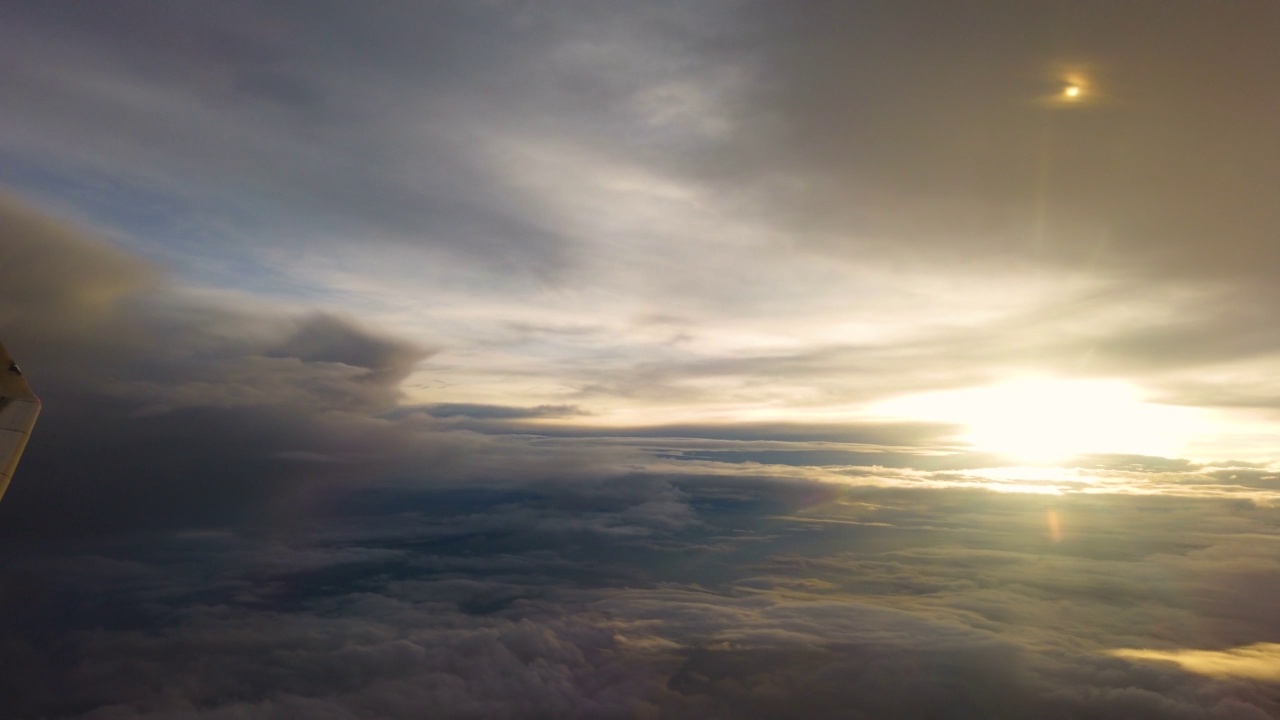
<point x="730" y="359"/>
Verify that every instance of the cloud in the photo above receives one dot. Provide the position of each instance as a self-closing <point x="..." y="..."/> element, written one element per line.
<point x="143" y="385"/>
<point x="468" y="358"/>
<point x="1260" y="661"/>
<point x="499" y="412"/>
<point x="890" y="433"/>
<point x="328" y="339"/>
<point x="254" y="406"/>
<point x="65" y="295"/>
<point x="819" y="202"/>
<point x="469" y="601"/>
<point x="959" y="104"/>
<point x="353" y="133"/>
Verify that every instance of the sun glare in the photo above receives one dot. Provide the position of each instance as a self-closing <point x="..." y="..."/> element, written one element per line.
<point x="1047" y="419"/>
<point x="1071" y="87"/>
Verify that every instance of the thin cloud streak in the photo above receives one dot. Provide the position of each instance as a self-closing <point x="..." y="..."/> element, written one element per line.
<point x="1260" y="661"/>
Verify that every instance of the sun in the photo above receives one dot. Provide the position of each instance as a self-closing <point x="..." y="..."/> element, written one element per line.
<point x="1070" y="87"/>
<point x="1041" y="419"/>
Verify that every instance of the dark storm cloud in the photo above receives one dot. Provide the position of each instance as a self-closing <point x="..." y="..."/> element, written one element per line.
<point x="160" y="409"/>
<point x="330" y="340"/>
<point x="85" y="312"/>
<point x="65" y="297"/>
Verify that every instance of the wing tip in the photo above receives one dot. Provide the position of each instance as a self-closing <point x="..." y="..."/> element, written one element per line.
<point x="13" y="383"/>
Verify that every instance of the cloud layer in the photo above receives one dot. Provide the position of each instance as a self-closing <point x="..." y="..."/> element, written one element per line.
<point x="666" y="211"/>
<point x="248" y="523"/>
<point x="676" y="597"/>
<point x="502" y="360"/>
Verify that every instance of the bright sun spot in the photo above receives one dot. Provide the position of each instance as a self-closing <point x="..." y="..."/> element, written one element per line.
<point x="1072" y="91"/>
<point x="1046" y="419"/>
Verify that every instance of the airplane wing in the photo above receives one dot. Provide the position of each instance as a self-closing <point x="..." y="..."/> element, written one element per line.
<point x="18" y="410"/>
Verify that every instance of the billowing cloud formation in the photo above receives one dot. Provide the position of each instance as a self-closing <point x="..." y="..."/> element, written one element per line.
<point x="143" y="385"/>
<point x="683" y="597"/>
<point x="86" y="314"/>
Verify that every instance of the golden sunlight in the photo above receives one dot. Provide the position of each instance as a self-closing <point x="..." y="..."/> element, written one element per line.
<point x="1260" y="661"/>
<point x="1042" y="419"/>
<point x="1071" y="87"/>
